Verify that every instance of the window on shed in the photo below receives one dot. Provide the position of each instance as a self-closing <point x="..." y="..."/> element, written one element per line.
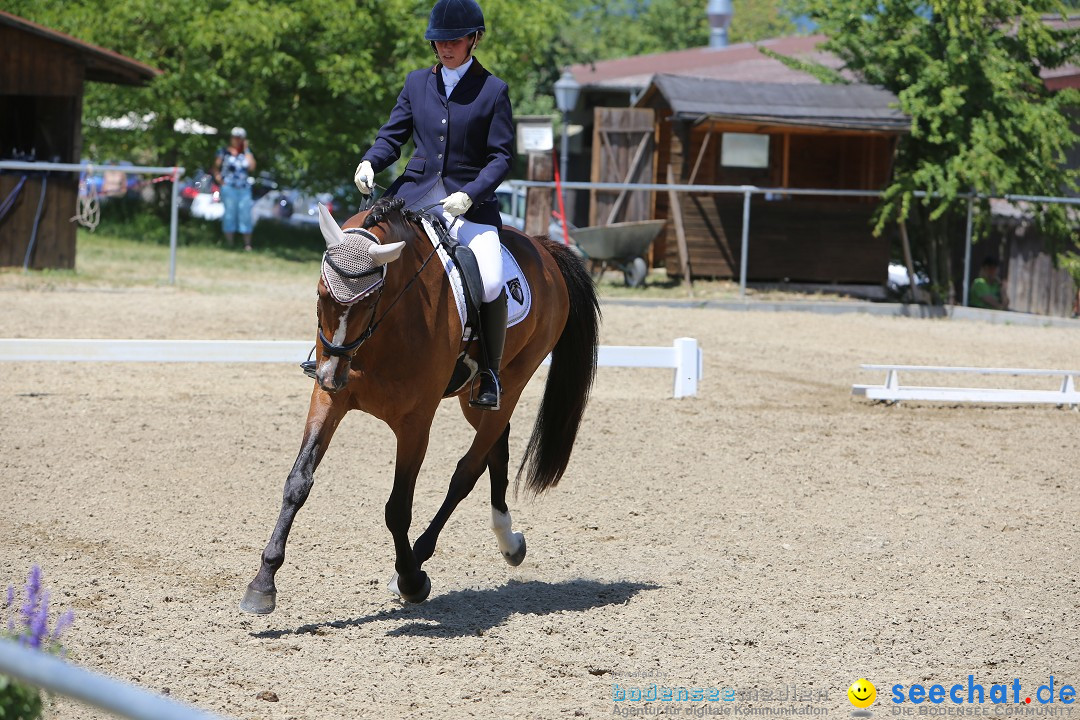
<point x="744" y="150"/>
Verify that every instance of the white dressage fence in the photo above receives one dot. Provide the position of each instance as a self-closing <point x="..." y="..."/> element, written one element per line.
<point x="893" y="391"/>
<point x="55" y="675"/>
<point x="684" y="356"/>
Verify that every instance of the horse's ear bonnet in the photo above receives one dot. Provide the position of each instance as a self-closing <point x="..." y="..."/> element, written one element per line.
<point x="349" y="269"/>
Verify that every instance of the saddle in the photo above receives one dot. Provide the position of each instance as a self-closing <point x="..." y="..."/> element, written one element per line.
<point x="466" y="368"/>
<point x="468" y="267"/>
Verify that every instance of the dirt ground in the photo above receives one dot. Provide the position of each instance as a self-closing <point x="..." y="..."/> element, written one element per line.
<point x="772" y="532"/>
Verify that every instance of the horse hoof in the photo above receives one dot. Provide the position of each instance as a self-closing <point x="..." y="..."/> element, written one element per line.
<point x="258" y="602"/>
<point x="416" y="597"/>
<point x="515" y="558"/>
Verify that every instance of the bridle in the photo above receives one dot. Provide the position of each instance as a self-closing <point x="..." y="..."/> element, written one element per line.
<point x="349" y="349"/>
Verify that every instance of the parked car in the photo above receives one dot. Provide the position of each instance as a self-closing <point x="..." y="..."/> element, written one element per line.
<point x="291" y="206"/>
<point x="205" y="197"/>
<point x="505" y="194"/>
<point x="196" y="183"/>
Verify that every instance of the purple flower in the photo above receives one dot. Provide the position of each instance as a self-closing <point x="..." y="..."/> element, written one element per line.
<point x="62" y="624"/>
<point x="30" y="623"/>
<point x="33" y="582"/>
<point x="39" y="624"/>
<point x="33" y="599"/>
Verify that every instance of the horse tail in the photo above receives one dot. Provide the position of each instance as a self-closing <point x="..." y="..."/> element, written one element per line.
<point x="570" y="379"/>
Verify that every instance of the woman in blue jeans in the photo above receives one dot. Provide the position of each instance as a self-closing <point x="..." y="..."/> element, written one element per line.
<point x="232" y="166"/>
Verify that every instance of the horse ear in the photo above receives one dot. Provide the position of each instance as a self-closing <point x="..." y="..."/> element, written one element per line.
<point x="330" y="230"/>
<point x="383" y="254"/>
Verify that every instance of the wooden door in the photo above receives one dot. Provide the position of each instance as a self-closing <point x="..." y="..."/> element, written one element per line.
<point x="623" y="151"/>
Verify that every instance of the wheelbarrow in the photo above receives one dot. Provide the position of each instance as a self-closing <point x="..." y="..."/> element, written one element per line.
<point x="619" y="245"/>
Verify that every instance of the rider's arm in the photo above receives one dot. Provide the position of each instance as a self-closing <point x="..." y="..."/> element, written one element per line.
<point x="500" y="149"/>
<point x="393" y="135"/>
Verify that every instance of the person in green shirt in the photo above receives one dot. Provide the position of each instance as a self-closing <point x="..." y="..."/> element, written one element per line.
<point x="988" y="290"/>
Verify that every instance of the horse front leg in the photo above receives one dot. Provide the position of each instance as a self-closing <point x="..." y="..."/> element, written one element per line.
<point x="409" y="582"/>
<point x="324" y="414"/>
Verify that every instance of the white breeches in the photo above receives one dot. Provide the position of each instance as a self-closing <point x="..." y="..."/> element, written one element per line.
<point x="483" y="240"/>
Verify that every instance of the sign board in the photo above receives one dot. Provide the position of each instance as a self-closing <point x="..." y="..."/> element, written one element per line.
<point x="534" y="134"/>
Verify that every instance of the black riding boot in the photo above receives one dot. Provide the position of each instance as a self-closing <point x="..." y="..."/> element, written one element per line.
<point x="493" y="326"/>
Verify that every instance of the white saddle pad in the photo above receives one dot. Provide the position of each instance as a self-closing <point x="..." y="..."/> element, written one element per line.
<point x="518" y="292"/>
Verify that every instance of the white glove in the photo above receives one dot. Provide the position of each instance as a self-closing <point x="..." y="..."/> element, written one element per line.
<point x="364" y="177"/>
<point x="456" y="204"/>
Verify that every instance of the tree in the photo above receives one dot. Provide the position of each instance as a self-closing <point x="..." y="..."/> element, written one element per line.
<point x="623" y="28"/>
<point x="967" y="72"/>
<point x="312" y="82"/>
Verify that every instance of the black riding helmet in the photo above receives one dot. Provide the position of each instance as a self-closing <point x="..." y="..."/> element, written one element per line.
<point x="453" y="19"/>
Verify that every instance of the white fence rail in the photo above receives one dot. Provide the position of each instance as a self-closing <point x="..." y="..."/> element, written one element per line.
<point x="893" y="391"/>
<point x="684" y="356"/>
<point x="119" y="698"/>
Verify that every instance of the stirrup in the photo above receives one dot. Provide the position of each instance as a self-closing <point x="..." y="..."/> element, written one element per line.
<point x="475" y="401"/>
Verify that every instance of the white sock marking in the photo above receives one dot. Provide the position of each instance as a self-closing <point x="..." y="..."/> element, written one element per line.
<point x="509" y="541"/>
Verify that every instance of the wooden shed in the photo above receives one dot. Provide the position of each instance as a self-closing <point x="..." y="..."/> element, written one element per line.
<point x="775" y="135"/>
<point x="42" y="73"/>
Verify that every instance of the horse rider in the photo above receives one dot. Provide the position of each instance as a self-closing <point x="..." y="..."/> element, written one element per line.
<point x="459" y="116"/>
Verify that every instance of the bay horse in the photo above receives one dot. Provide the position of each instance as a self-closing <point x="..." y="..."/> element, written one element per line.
<point x="389" y="340"/>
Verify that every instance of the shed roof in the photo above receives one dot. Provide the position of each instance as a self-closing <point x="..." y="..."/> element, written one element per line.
<point x="740" y="62"/>
<point x="102" y="65"/>
<point x="744" y="62"/>
<point x="855" y="107"/>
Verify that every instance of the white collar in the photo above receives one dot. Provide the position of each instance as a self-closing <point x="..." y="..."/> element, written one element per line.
<point x="457" y="73"/>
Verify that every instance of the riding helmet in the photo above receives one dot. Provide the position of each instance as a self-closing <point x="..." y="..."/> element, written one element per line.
<point x="453" y="19"/>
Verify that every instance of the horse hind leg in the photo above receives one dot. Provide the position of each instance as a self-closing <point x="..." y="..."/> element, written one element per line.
<point x="489" y="445"/>
<point x="511" y="544"/>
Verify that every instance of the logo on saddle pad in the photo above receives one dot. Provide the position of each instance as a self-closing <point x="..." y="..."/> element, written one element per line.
<point x="514" y="288"/>
<point x="517" y="285"/>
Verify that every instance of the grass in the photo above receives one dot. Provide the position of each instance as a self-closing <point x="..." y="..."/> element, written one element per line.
<point x="131" y="249"/>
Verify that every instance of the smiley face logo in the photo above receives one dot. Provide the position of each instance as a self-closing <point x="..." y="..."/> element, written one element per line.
<point x="862" y="693"/>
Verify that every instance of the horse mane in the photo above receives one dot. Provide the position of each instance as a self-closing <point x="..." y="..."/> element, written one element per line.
<point x="392" y="213"/>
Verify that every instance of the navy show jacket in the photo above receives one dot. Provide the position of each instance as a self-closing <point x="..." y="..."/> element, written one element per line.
<point x="467" y="142"/>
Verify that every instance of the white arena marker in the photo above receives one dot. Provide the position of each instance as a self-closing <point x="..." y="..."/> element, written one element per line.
<point x="893" y="391"/>
<point x="684" y="356"/>
<point x="231" y="351"/>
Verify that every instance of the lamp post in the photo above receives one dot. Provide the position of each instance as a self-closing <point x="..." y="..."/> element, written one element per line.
<point x="567" y="90"/>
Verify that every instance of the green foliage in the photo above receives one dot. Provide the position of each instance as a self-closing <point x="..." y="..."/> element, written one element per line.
<point x="967" y="72"/>
<point x="826" y="75"/>
<point x="620" y="28"/>
<point x="19" y="701"/>
<point x="312" y="82"/>
<point x="1070" y="263"/>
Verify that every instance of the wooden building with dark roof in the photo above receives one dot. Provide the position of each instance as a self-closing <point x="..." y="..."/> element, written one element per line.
<point x="776" y="135"/>
<point x="737" y="115"/>
<point x="42" y="74"/>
